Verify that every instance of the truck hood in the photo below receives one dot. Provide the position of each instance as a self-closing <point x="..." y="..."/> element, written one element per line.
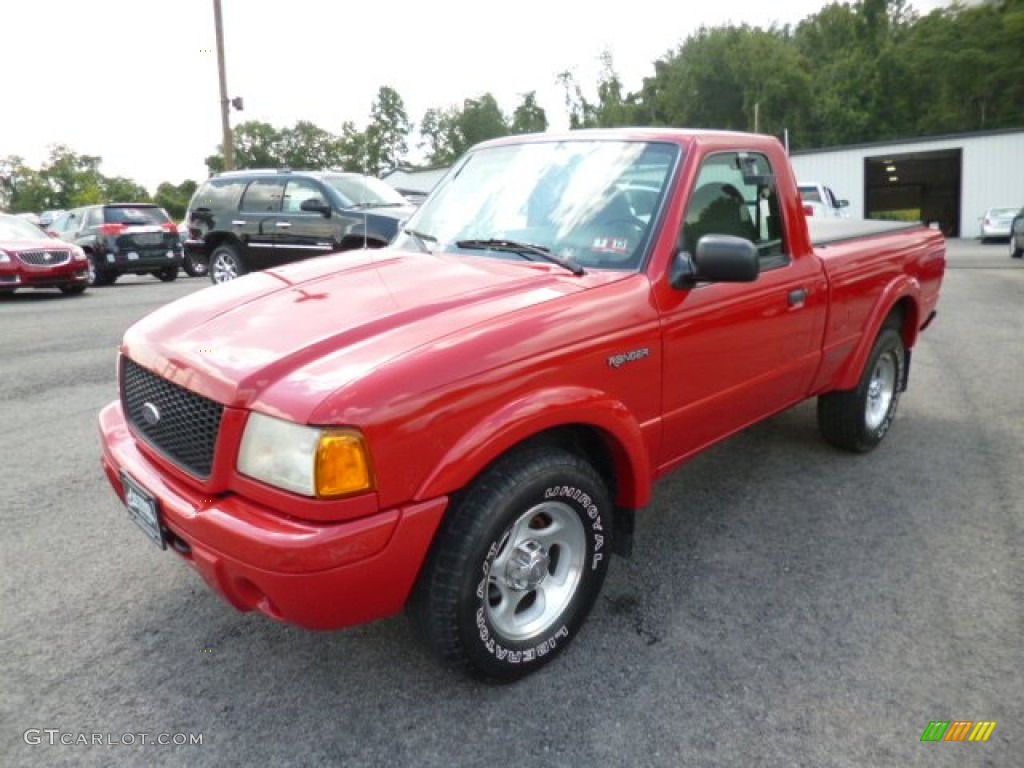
<point x="282" y="340"/>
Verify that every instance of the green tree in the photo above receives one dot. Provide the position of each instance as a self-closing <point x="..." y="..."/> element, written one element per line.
<point x="120" y="190"/>
<point x="441" y="136"/>
<point x="306" y="145"/>
<point x="256" y="145"/>
<point x="481" y="119"/>
<point x="22" y="189"/>
<point x="352" y="148"/>
<point x="174" y="198"/>
<point x="581" y="112"/>
<point x="387" y="135"/>
<point x="73" y="179"/>
<point x="529" y="116"/>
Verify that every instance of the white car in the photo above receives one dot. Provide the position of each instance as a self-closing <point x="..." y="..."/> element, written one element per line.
<point x="996" y="223"/>
<point x="821" y="202"/>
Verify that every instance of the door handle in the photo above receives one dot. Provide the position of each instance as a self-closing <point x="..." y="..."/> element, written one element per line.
<point x="797" y="297"/>
<point x="238" y="223"/>
<point x="283" y="224"/>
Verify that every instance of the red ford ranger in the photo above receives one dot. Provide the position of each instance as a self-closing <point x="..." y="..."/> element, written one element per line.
<point x="464" y="424"/>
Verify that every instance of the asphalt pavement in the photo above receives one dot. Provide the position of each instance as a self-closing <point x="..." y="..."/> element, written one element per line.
<point x="786" y="605"/>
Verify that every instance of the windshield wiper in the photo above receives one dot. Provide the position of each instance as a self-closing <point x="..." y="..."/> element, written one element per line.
<point x="525" y="250"/>
<point x="421" y="238"/>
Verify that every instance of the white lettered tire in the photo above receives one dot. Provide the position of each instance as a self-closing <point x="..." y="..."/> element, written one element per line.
<point x="517" y="564"/>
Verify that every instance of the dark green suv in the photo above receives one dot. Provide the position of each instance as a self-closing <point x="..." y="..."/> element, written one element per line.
<point x="123" y="238"/>
<point x="242" y="221"/>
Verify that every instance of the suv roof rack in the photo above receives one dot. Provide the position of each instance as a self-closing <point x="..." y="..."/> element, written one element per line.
<point x="237" y="171"/>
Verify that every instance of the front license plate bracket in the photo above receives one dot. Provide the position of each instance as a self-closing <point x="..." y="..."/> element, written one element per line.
<point x="143" y="509"/>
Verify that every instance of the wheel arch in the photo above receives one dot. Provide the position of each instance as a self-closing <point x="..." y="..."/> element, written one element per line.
<point x="212" y="242"/>
<point x="605" y="433"/>
<point x="900" y="303"/>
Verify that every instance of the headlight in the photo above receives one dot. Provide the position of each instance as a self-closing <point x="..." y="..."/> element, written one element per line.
<point x="77" y="253"/>
<point x="4" y="257"/>
<point x="312" y="461"/>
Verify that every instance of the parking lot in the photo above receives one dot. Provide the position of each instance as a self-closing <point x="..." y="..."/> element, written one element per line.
<point x="786" y="604"/>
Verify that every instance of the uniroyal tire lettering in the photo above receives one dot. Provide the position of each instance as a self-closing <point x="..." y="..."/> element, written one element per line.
<point x="583" y="498"/>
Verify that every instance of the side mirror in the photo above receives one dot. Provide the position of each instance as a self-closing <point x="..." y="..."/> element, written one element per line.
<point x="842" y="203"/>
<point x="718" y="259"/>
<point x="315" y="205"/>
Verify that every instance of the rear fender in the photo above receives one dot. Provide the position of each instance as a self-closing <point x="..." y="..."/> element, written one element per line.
<point x="906" y="292"/>
<point x="539" y="412"/>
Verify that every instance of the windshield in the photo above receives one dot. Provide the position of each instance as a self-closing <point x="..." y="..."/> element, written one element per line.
<point x="13" y="228"/>
<point x="588" y="201"/>
<point x="364" y="191"/>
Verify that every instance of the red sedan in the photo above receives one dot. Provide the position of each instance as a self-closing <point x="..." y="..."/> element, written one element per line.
<point x="31" y="259"/>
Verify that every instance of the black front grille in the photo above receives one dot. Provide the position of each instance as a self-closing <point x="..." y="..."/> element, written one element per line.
<point x="45" y="258"/>
<point x="180" y="424"/>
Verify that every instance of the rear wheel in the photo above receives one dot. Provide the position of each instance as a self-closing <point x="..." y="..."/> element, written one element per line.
<point x="857" y="419"/>
<point x="167" y="274"/>
<point x="98" y="275"/>
<point x="195" y="266"/>
<point x="516" y="565"/>
<point x="225" y="264"/>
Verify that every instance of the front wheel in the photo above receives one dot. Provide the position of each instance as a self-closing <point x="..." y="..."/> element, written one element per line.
<point x="516" y="565"/>
<point x="225" y="264"/>
<point x="72" y="290"/>
<point x="857" y="419"/>
<point x="1015" y="252"/>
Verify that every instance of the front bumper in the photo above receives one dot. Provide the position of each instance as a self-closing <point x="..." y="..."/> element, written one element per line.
<point x="315" y="575"/>
<point x="25" y="276"/>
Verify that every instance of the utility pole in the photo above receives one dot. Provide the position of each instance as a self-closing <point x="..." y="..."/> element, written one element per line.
<point x="225" y="123"/>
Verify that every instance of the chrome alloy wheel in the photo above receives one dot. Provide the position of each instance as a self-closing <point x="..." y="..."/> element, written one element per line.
<point x="223" y="268"/>
<point x="536" y="572"/>
<point x="881" y="390"/>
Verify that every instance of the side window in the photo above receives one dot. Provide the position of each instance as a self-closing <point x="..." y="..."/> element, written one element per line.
<point x="735" y="194"/>
<point x="72" y="220"/>
<point x="263" y="195"/>
<point x="297" y="192"/>
<point x="93" y="218"/>
<point x="60" y="224"/>
<point x="218" y="194"/>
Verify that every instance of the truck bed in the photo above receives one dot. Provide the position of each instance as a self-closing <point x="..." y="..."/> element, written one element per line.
<point x="826" y="232"/>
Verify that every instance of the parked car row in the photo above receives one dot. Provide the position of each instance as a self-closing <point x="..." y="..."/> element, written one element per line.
<point x="237" y="222"/>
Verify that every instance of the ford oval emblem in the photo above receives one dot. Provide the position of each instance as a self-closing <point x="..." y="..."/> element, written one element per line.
<point x="150" y="414"/>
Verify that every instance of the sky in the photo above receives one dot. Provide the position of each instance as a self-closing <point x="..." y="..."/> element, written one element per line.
<point x="135" y="81"/>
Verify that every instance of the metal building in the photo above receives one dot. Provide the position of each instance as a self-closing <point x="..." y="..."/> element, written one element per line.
<point x="949" y="181"/>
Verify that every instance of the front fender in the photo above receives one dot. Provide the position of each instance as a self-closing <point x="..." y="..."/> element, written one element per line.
<point x="539" y="412"/>
<point x="904" y="288"/>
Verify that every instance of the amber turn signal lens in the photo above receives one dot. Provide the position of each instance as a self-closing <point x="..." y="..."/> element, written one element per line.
<point x="342" y="464"/>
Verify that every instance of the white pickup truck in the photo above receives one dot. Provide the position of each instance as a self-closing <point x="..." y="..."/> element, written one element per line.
<point x="820" y="202"/>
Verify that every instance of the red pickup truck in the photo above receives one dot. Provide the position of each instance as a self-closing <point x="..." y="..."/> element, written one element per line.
<point x="463" y="425"/>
